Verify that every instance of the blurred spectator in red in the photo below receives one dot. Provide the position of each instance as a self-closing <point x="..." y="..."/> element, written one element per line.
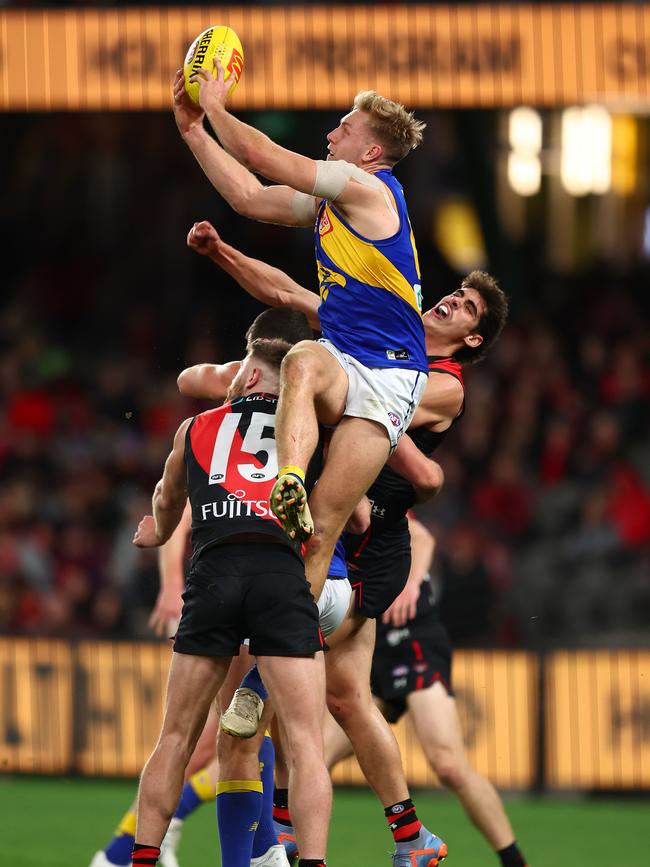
<point x="503" y="501"/>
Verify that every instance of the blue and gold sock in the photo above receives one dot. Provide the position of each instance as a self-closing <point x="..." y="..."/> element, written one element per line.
<point x="119" y="849"/>
<point x="253" y="681"/>
<point x="196" y="791"/>
<point x="265" y="834"/>
<point x="239" y="804"/>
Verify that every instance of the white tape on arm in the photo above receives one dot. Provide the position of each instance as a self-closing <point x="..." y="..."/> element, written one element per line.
<point x="303" y="207"/>
<point x="332" y="177"/>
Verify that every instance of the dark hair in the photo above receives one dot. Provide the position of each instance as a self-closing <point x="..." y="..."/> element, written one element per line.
<point x="279" y="323"/>
<point x="269" y="352"/>
<point x="493" y="319"/>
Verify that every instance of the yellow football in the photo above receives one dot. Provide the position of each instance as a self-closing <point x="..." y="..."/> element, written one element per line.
<point x="218" y="42"/>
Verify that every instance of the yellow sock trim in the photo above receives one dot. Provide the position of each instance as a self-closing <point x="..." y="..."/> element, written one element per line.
<point x="267" y="734"/>
<point x="295" y="471"/>
<point x="127" y="824"/>
<point x="239" y="786"/>
<point x="203" y="785"/>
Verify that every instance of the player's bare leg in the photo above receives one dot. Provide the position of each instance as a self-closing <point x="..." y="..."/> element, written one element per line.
<point x="435" y="719"/>
<point x="351" y="704"/>
<point x="193" y="683"/>
<point x="284" y="830"/>
<point x="297" y="688"/>
<point x="202" y="774"/>
<point x="313" y="388"/>
<point x="357" y="451"/>
<point x="337" y="743"/>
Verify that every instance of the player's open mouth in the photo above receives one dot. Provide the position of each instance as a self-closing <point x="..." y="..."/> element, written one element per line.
<point x="442" y="311"/>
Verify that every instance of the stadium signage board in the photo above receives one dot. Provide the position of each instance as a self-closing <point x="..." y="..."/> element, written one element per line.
<point x="302" y="57"/>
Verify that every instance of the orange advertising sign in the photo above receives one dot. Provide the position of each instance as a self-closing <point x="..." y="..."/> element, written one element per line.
<point x="460" y="55"/>
<point x="498" y="705"/>
<point x="598" y="719"/>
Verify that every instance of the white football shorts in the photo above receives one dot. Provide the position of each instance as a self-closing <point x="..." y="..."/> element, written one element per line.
<point x="388" y="396"/>
<point x="333" y="604"/>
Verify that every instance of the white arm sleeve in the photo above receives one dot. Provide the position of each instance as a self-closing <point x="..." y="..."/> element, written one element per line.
<point x="303" y="207"/>
<point x="332" y="177"/>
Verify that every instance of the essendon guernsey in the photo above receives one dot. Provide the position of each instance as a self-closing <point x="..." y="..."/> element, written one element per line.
<point x="231" y="467"/>
<point x="391" y="494"/>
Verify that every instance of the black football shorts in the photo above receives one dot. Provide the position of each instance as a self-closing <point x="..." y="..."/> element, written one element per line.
<point x="409" y="658"/>
<point x="253" y="590"/>
<point x="378" y="567"/>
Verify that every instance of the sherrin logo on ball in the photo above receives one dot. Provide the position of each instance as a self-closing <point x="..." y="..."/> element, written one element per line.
<point x="218" y="42"/>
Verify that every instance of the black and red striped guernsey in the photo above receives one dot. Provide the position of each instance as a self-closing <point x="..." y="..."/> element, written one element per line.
<point x="391" y="494"/>
<point x="232" y="465"/>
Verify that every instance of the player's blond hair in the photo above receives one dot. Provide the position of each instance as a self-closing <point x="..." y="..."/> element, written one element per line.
<point x="395" y="127"/>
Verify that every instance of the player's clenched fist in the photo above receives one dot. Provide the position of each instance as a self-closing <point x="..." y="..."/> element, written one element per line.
<point x="145" y="535"/>
<point x="203" y="237"/>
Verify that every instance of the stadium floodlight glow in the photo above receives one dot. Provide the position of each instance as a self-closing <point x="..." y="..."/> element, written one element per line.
<point x="524" y="173"/>
<point x="586" y="159"/>
<point x="525" y="130"/>
<point x="525" y="138"/>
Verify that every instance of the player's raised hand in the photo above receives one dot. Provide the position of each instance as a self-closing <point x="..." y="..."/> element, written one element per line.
<point x="145" y="535"/>
<point x="187" y="114"/>
<point x="203" y="238"/>
<point x="213" y="92"/>
<point x="404" y="607"/>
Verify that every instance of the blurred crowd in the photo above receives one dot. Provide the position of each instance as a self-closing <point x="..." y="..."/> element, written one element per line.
<point x="543" y="527"/>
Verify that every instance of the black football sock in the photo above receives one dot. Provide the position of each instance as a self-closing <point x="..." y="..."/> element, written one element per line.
<point x="281" y="807"/>
<point x="511" y="856"/>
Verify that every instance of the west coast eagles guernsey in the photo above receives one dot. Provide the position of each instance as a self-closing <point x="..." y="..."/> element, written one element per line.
<point x="370" y="290"/>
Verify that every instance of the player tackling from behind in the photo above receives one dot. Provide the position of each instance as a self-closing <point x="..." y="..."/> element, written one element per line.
<point x="246" y="580"/>
<point x="368" y="373"/>
<point x="466" y="321"/>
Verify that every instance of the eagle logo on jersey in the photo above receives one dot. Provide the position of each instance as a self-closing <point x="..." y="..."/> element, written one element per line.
<point x="328" y="278"/>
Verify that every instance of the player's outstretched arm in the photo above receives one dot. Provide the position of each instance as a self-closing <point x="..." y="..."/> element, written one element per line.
<point x="268" y="284"/>
<point x="208" y="381"/>
<point x="169" y="497"/>
<point x="425" y="475"/>
<point x="171" y="562"/>
<point x="440" y="404"/>
<point x="238" y="186"/>
<point x="423" y="546"/>
<point x="248" y="145"/>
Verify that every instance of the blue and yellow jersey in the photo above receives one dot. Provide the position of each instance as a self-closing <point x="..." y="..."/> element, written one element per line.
<point x="371" y="303"/>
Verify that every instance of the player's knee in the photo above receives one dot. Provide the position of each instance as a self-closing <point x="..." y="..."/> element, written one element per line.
<point x="176" y="744"/>
<point x="300" y="366"/>
<point x="344" y="704"/>
<point x="451" y="770"/>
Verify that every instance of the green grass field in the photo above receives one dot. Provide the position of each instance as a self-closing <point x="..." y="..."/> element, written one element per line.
<point x="61" y="823"/>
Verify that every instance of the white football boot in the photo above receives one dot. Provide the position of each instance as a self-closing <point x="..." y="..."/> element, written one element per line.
<point x="169" y="845"/>
<point x="242" y="718"/>
<point x="100" y="860"/>
<point x="273" y="857"/>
